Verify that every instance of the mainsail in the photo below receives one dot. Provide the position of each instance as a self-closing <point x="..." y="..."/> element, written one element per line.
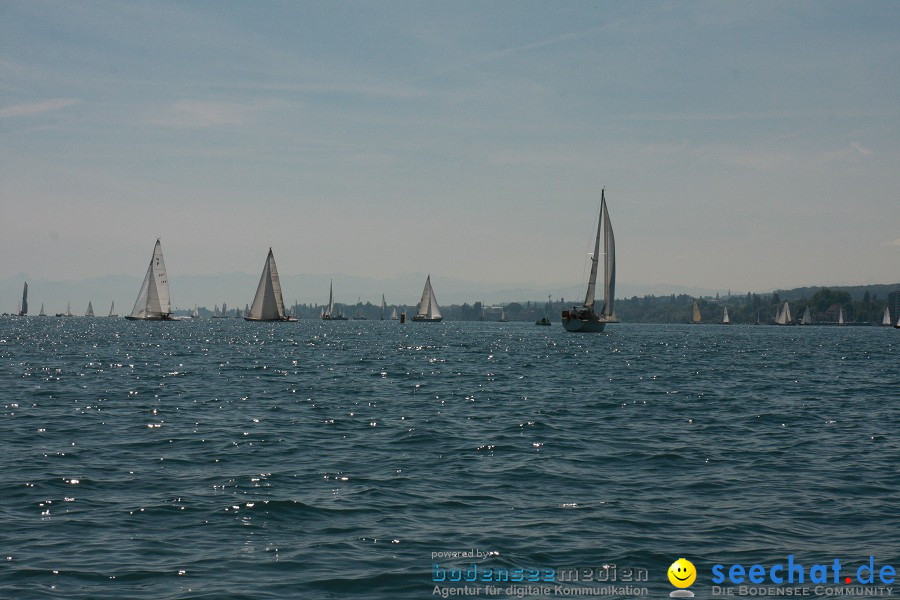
<point x="725" y="318"/>
<point x="604" y="228"/>
<point x="695" y="313"/>
<point x="784" y="315"/>
<point x="112" y="309"/>
<point x="428" y="306"/>
<point x="153" y="300"/>
<point x="806" y="319"/>
<point x="90" y="310"/>
<point x="886" y="320"/>
<point x="23" y="310"/>
<point x="268" y="304"/>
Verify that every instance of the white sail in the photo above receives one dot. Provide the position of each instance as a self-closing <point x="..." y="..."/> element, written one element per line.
<point x="69" y="309"/>
<point x="886" y="320"/>
<point x="841" y="317"/>
<point x="806" y="319"/>
<point x="330" y="310"/>
<point x="382" y="307"/>
<point x="23" y="309"/>
<point x="784" y="315"/>
<point x="725" y="318"/>
<point x="90" y="310"/>
<point x="394" y="315"/>
<point x="112" y="309"/>
<point x="42" y="313"/>
<point x="268" y="304"/>
<point x="428" y="306"/>
<point x="153" y="300"/>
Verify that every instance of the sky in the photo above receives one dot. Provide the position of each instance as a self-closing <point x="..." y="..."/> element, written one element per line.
<point x="746" y="146"/>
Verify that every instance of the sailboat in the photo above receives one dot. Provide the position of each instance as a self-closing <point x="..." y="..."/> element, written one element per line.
<point x="886" y="320"/>
<point x="221" y="315"/>
<point x="359" y="316"/>
<point x="268" y="305"/>
<point x="329" y="314"/>
<point x="23" y="308"/>
<point x="695" y="313"/>
<point x="725" y="319"/>
<point x="806" y="319"/>
<point x="112" y="310"/>
<point x="68" y="310"/>
<point x="503" y="318"/>
<point x="583" y="318"/>
<point x="382" y="307"/>
<point x="841" y="317"/>
<point x="784" y="315"/>
<point x="394" y="315"/>
<point x="196" y="313"/>
<point x="428" y="306"/>
<point x="152" y="303"/>
<point x="90" y="310"/>
<point x="42" y="313"/>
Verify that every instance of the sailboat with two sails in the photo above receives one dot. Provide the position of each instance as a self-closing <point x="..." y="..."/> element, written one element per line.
<point x="329" y="313"/>
<point x="584" y="318"/>
<point x="429" y="310"/>
<point x="152" y="303"/>
<point x="268" y="304"/>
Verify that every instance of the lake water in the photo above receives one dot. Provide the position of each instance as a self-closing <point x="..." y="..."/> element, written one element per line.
<point x="225" y="459"/>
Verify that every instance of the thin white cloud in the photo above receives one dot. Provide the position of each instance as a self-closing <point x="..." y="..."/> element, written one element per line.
<point x="195" y="113"/>
<point x="34" y="108"/>
<point x="861" y="149"/>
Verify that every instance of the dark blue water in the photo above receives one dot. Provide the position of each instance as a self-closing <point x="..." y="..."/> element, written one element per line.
<point x="228" y="459"/>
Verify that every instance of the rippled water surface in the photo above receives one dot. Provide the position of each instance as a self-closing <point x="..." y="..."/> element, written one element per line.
<point x="227" y="459"/>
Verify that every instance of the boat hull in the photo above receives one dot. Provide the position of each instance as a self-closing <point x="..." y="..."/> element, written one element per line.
<point x="583" y="321"/>
<point x="284" y="320"/>
<point x="428" y="319"/>
<point x="163" y="318"/>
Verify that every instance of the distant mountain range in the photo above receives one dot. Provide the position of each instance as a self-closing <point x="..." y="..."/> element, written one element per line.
<point x="237" y="289"/>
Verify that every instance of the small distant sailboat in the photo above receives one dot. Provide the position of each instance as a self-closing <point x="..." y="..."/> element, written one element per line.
<point x="806" y="319"/>
<point x="90" y="310"/>
<point x="428" y="306"/>
<point x="382" y="307"/>
<point x="725" y="319"/>
<point x="152" y="303"/>
<point x="359" y="316"/>
<point x="268" y="304"/>
<point x="221" y="315"/>
<point x="394" y="316"/>
<point x="502" y="318"/>
<point x="68" y="312"/>
<point x="583" y="318"/>
<point x="112" y="310"/>
<point x="23" y="307"/>
<point x="841" y="317"/>
<point x="246" y="310"/>
<point x="196" y="313"/>
<point x="886" y="320"/>
<point x="784" y="315"/>
<point x="329" y="314"/>
<point x="42" y="313"/>
<point x="695" y="313"/>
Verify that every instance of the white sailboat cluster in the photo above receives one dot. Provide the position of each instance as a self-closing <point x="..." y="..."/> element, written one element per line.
<point x="784" y="315"/>
<point x="329" y="313"/>
<point x="583" y="318"/>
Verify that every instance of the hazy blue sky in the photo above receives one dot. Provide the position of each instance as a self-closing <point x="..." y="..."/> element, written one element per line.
<point x="743" y="145"/>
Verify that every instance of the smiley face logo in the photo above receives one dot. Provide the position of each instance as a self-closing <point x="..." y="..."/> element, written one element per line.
<point x="682" y="573"/>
